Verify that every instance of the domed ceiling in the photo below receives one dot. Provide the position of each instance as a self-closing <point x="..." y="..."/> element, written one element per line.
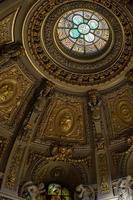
<point x="86" y="43"/>
<point x="66" y="95"/>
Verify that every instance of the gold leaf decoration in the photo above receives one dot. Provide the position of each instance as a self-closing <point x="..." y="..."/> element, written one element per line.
<point x="61" y="122"/>
<point x="121" y="110"/>
<point x="6" y="25"/>
<point x="14" y="85"/>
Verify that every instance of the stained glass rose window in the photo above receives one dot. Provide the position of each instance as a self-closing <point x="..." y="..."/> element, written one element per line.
<point x="83" y="31"/>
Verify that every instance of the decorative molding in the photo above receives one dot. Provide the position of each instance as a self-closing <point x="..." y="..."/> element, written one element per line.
<point x="14" y="86"/>
<point x="66" y="70"/>
<point x="59" y="122"/>
<point x="103" y="176"/>
<point x="6" y="28"/>
<point x="11" y="178"/>
<point x="120" y="108"/>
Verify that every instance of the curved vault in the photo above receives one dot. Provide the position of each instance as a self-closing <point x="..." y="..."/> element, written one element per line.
<point x="65" y="113"/>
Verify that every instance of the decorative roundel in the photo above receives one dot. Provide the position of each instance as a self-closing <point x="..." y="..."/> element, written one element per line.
<point x="83" y="31"/>
<point x="78" y="42"/>
<point x="8" y="90"/>
<point x="82" y="35"/>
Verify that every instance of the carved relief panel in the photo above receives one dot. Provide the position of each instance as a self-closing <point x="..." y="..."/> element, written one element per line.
<point x="13" y="88"/>
<point x="64" y="120"/>
<point x="120" y="108"/>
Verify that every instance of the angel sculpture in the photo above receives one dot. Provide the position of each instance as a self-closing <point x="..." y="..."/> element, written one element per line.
<point x="85" y="192"/>
<point x="30" y="191"/>
<point x="125" y="188"/>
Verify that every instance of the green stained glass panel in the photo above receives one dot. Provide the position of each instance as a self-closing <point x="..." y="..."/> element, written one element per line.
<point x="93" y="24"/>
<point x="54" y="189"/>
<point x="77" y="19"/>
<point x="83" y="28"/>
<point x="74" y="33"/>
<point x="89" y="37"/>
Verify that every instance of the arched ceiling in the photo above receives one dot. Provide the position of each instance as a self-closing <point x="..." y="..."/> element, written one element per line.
<point x="64" y="114"/>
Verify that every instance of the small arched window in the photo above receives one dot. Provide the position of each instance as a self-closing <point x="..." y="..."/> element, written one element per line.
<point x="58" y="192"/>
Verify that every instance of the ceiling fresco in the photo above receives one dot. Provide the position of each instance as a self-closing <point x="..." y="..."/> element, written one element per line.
<point x="66" y="99"/>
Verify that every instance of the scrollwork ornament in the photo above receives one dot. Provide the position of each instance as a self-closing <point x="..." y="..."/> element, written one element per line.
<point x="121" y="110"/>
<point x="103" y="174"/>
<point x="14" y="85"/>
<point x="13" y="171"/>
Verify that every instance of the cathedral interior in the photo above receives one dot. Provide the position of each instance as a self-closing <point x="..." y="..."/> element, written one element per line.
<point x="66" y="100"/>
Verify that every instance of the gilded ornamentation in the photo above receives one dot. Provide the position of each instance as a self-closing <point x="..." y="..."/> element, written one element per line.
<point x="59" y="153"/>
<point x="3" y="143"/>
<point x="13" y="88"/>
<point x="7" y="91"/>
<point x="61" y="121"/>
<point x="100" y="144"/>
<point x="12" y="174"/>
<point x="61" y="67"/>
<point x="65" y="120"/>
<point x="5" y="29"/>
<point x="120" y="106"/>
<point x="125" y="111"/>
<point x="103" y="174"/>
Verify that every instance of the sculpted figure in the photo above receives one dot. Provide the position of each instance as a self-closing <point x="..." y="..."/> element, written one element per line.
<point x="30" y="191"/>
<point x="40" y="104"/>
<point x="85" y="192"/>
<point x="94" y="104"/>
<point x="125" y="188"/>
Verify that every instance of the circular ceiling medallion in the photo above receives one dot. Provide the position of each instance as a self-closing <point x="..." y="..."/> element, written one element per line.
<point x="64" y="121"/>
<point x="78" y="42"/>
<point x="8" y="90"/>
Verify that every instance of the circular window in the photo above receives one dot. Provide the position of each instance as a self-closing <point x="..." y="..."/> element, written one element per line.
<point x="83" y="31"/>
